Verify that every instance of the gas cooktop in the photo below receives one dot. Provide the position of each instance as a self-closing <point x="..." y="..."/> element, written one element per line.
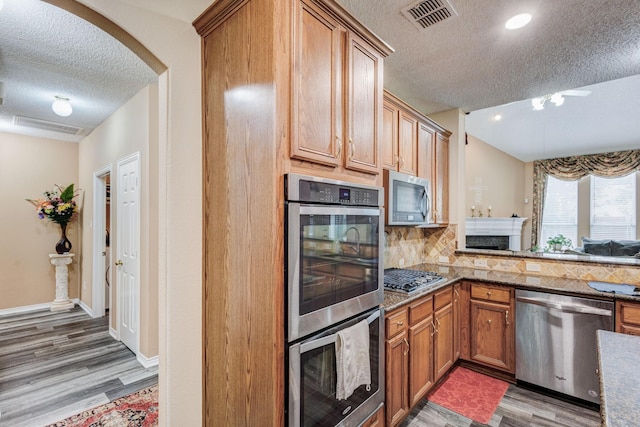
<point x="409" y="281"/>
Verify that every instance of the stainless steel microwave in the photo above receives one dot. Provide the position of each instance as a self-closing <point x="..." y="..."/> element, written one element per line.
<point x="407" y="199"/>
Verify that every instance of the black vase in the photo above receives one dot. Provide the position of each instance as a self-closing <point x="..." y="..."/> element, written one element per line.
<point x="63" y="245"/>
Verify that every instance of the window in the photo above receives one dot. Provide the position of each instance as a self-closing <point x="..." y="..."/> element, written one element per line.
<point x="560" y="212"/>
<point x="613" y="208"/>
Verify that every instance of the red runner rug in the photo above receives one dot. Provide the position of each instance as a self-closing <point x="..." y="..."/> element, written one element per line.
<point x="470" y="394"/>
<point x="139" y="409"/>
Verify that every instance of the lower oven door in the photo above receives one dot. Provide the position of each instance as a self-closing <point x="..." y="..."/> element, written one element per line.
<point x="312" y="379"/>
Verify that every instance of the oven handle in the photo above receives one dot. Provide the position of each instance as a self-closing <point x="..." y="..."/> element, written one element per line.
<point x="330" y="339"/>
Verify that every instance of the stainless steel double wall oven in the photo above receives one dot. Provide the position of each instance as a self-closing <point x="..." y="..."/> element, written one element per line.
<point x="335" y="276"/>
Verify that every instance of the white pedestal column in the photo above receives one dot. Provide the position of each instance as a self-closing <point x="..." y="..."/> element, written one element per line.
<point x="62" y="301"/>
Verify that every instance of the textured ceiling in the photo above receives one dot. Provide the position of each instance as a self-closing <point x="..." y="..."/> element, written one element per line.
<point x="45" y="51"/>
<point x="472" y="62"/>
<point x="469" y="62"/>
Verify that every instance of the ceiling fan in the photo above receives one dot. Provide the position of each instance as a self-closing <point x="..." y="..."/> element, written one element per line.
<point x="557" y="98"/>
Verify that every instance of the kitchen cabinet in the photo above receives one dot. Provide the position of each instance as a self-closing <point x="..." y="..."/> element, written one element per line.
<point x="396" y="367"/>
<point x="628" y="317"/>
<point x="457" y="288"/>
<point x="420" y="350"/>
<point x="492" y="340"/>
<point x="414" y="144"/>
<point x="336" y="93"/>
<point x="440" y="183"/>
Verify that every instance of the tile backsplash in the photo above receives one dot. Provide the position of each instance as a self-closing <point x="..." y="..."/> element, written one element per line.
<point x="407" y="246"/>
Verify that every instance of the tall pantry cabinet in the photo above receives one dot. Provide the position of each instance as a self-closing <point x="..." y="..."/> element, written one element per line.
<point x="288" y="86"/>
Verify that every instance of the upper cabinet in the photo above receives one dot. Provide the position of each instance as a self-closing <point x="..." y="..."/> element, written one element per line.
<point x="336" y="92"/>
<point x="414" y="144"/>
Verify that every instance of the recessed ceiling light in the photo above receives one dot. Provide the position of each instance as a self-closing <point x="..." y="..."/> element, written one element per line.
<point x="518" y="21"/>
<point x="497" y="117"/>
<point x="61" y="106"/>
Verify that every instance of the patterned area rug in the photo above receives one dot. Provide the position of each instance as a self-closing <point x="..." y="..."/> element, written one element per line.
<point x="139" y="409"/>
<point x="470" y="394"/>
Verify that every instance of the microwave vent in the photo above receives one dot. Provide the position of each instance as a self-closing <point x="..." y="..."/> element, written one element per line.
<point x="429" y="12"/>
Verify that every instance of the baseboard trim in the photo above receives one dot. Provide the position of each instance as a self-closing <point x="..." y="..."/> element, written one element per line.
<point x="84" y="306"/>
<point x="148" y="362"/>
<point x="113" y="333"/>
<point x="25" y="309"/>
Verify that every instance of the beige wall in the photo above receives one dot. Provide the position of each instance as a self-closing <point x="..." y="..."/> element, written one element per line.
<point x="502" y="182"/>
<point x="28" y="167"/>
<point x="178" y="200"/>
<point x="127" y="131"/>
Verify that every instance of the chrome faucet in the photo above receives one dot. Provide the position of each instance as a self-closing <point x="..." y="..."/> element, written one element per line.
<point x="355" y="248"/>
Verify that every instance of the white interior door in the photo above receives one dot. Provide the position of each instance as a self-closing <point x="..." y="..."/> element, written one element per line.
<point x="128" y="248"/>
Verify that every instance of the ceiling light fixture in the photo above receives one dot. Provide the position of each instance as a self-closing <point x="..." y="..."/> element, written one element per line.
<point x="497" y="117"/>
<point x="538" y="103"/>
<point x="518" y="21"/>
<point x="61" y="106"/>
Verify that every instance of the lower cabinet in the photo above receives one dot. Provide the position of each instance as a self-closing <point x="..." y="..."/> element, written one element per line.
<point x="492" y="331"/>
<point x="419" y="351"/>
<point x="627" y="317"/>
<point x="376" y="420"/>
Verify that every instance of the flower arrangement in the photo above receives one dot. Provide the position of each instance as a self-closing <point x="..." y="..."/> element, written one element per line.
<point x="58" y="205"/>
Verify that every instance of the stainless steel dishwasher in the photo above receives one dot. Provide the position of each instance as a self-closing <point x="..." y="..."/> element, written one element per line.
<point x="556" y="341"/>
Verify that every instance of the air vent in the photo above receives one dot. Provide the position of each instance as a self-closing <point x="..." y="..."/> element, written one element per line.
<point x="426" y="13"/>
<point x="46" y="125"/>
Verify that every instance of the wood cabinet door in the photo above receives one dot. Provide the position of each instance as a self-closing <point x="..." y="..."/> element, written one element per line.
<point x="456" y="321"/>
<point x="408" y="143"/>
<point x="389" y="139"/>
<point x="441" y="184"/>
<point x="420" y="359"/>
<point x="426" y="152"/>
<point x="317" y="87"/>
<point x="443" y="341"/>
<point x="396" y="375"/>
<point x="628" y="317"/>
<point x="376" y="420"/>
<point x="492" y="335"/>
<point x="364" y="105"/>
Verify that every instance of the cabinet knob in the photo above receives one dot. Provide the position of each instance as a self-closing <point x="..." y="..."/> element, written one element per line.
<point x="400" y="323"/>
<point x="488" y="294"/>
<point x="489" y="321"/>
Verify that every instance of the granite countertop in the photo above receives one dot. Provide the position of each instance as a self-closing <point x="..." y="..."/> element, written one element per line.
<point x="619" y="379"/>
<point x="393" y="300"/>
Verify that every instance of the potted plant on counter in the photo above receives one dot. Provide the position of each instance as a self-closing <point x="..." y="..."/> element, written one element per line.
<point x="559" y="243"/>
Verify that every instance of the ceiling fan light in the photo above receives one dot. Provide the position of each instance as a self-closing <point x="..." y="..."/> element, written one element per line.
<point x="518" y="21"/>
<point x="61" y="107"/>
<point x="557" y="99"/>
<point x="538" y="103"/>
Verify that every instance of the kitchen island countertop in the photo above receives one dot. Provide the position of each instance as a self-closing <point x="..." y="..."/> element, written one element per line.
<point x="393" y="300"/>
<point x="619" y="379"/>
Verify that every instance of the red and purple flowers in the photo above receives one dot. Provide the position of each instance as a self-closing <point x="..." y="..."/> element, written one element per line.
<point x="58" y="205"/>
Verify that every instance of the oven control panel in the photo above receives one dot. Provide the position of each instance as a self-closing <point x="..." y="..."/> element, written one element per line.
<point x="317" y="190"/>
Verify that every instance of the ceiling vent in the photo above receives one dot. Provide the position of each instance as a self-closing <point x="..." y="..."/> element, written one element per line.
<point x="428" y="12"/>
<point x="46" y="125"/>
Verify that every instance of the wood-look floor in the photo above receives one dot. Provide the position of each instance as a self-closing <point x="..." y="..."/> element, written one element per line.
<point x="54" y="365"/>
<point x="518" y="408"/>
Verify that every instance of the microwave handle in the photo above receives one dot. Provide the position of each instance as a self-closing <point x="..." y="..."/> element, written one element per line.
<point x="329" y="339"/>
<point x="424" y="203"/>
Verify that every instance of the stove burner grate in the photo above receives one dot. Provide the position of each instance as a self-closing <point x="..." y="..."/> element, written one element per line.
<point x="407" y="281"/>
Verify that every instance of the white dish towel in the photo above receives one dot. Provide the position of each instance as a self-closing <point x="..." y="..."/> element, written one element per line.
<point x="352" y="360"/>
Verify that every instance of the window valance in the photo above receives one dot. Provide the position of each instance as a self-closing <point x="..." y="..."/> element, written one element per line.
<point x="619" y="163"/>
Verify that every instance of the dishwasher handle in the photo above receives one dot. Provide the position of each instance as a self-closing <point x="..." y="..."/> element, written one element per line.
<point x="567" y="308"/>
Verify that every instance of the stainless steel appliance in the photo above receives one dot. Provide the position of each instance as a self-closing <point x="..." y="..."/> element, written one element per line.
<point x="407" y="281"/>
<point x="312" y="378"/>
<point x="407" y="199"/>
<point x="334" y="252"/>
<point x="556" y="341"/>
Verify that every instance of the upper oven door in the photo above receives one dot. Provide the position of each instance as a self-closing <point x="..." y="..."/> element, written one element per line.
<point x="334" y="266"/>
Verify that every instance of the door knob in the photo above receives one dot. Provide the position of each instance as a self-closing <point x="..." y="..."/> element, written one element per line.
<point x="119" y="262"/>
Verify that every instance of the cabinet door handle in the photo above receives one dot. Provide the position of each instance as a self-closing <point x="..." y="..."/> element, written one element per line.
<point x="438" y="322"/>
<point x="338" y="148"/>
<point x="407" y="344"/>
<point x="401" y="161"/>
<point x="455" y="291"/>
<point x="506" y="317"/>
<point x="353" y="149"/>
<point x="396" y="160"/>
<point x="434" y="329"/>
<point x="399" y="323"/>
